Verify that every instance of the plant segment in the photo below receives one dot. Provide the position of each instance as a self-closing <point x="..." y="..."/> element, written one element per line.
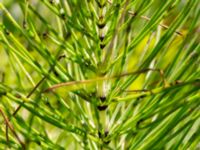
<point x="98" y="74"/>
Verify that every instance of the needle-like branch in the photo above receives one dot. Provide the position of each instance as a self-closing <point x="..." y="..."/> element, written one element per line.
<point x="158" y="90"/>
<point x="70" y="83"/>
<point x="8" y="125"/>
<point x="148" y="19"/>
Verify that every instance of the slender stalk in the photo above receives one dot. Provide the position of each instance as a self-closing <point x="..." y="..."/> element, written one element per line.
<point x="11" y="128"/>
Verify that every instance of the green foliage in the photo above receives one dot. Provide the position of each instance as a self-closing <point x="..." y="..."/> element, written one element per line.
<point x="99" y="74"/>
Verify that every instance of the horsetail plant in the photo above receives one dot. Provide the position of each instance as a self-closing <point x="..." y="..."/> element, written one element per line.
<point x="99" y="74"/>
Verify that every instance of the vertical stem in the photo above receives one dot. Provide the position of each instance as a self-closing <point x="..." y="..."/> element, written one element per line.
<point x="101" y="86"/>
<point x="101" y="26"/>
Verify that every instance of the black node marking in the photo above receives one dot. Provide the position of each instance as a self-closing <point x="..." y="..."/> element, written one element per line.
<point x="139" y="122"/>
<point x="102" y="46"/>
<point x="177" y="82"/>
<point x="51" y="1"/>
<point x="106" y="133"/>
<point x="102" y="108"/>
<point x="102" y="98"/>
<point x="106" y="142"/>
<point x="143" y="96"/>
<point x="135" y="14"/>
<point x="61" y="56"/>
<point x="101" y="25"/>
<point x="101" y="37"/>
<point x="63" y="16"/>
<point x="101" y="5"/>
<point x="99" y="134"/>
<point x="45" y="35"/>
